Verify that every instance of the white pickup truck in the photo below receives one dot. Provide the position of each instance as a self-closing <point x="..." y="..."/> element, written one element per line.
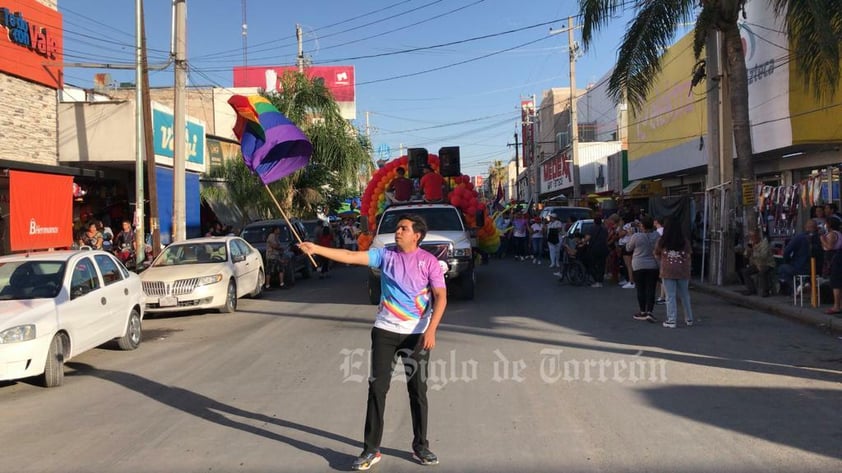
<point x="448" y="238"/>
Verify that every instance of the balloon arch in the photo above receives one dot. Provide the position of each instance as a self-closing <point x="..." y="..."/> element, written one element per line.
<point x="461" y="195"/>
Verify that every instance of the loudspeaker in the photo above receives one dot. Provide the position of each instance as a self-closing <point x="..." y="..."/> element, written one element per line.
<point x="417" y="159"/>
<point x="449" y="159"/>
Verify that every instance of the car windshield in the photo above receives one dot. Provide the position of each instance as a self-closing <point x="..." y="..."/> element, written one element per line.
<point x="438" y="219"/>
<point x="192" y="253"/>
<point x="30" y="279"/>
<point x="257" y="234"/>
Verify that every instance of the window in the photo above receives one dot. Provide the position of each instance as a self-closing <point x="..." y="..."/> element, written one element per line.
<point x="241" y="246"/>
<point x="84" y="279"/>
<point x="109" y="269"/>
<point x="235" y="249"/>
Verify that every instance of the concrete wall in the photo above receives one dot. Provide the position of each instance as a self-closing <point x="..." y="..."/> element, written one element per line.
<point x="97" y="132"/>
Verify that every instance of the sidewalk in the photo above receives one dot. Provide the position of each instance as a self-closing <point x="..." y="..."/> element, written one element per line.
<point x="777" y="305"/>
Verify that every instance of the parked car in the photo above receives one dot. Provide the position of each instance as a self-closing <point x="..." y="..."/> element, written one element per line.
<point x="314" y="228"/>
<point x="564" y="212"/>
<point x="203" y="273"/>
<point x="256" y="234"/>
<point x="56" y="305"/>
<point x="581" y="227"/>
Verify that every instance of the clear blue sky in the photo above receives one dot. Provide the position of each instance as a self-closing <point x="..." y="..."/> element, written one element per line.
<point x="484" y="94"/>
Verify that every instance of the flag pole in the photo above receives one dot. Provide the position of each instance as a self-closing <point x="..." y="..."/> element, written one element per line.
<point x="289" y="224"/>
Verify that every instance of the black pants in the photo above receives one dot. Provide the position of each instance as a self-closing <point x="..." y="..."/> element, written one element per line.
<point x="645" y="281"/>
<point x="762" y="279"/>
<point x="385" y="348"/>
<point x="596" y="263"/>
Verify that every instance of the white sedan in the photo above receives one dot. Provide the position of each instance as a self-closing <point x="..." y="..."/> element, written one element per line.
<point x="203" y="273"/>
<point x="56" y="305"/>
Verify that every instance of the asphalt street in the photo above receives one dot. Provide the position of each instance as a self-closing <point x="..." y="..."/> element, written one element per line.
<point x="531" y="376"/>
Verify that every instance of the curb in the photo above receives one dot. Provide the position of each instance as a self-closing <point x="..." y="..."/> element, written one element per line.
<point x="805" y="315"/>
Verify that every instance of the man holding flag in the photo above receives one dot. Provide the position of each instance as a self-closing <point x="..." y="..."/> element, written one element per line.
<point x="412" y="302"/>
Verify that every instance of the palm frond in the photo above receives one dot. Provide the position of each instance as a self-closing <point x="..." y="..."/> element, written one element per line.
<point x="815" y="34"/>
<point x="639" y="58"/>
<point x="595" y="15"/>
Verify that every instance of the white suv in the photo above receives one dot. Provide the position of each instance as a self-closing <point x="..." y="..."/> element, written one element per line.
<point x="448" y="238"/>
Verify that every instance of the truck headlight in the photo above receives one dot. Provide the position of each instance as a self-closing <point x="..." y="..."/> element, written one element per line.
<point x="461" y="253"/>
<point x="21" y="333"/>
<point x="208" y="280"/>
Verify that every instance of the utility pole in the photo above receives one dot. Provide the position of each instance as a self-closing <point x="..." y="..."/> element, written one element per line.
<point x="245" y="36"/>
<point x="516" y="144"/>
<point x="574" y="118"/>
<point x="140" y="252"/>
<point x="149" y="147"/>
<point x="299" y="36"/>
<point x="179" y="224"/>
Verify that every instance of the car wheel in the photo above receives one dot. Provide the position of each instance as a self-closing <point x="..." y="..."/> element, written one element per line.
<point x="134" y="332"/>
<point x="230" y="299"/>
<point x="373" y="290"/>
<point x="289" y="275"/>
<point x="307" y="271"/>
<point x="54" y="367"/>
<point x="467" y="282"/>
<point x="261" y="281"/>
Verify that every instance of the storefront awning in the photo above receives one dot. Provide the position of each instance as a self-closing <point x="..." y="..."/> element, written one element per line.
<point x="643" y="188"/>
<point x="226" y="212"/>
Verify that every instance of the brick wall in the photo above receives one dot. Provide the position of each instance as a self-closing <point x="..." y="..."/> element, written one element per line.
<point x="28" y="124"/>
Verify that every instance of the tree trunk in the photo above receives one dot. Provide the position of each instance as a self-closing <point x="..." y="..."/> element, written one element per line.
<point x="738" y="84"/>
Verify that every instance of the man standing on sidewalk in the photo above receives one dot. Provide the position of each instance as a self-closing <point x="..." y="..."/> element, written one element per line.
<point x="412" y="302"/>
<point x="760" y="264"/>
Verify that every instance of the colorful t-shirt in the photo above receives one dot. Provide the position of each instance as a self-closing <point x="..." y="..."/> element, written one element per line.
<point x="406" y="282"/>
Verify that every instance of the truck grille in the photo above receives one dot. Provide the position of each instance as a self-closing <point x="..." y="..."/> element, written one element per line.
<point x="439" y="250"/>
<point x="177" y="288"/>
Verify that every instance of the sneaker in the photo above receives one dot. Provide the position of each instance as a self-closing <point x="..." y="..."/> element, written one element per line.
<point x="669" y="324"/>
<point x="557" y="274"/>
<point x="365" y="461"/>
<point x="622" y="282"/>
<point x="639" y="316"/>
<point x="537" y="261"/>
<point x="628" y="285"/>
<point x="688" y="323"/>
<point x="596" y="284"/>
<point x="651" y="319"/>
<point x="661" y="301"/>
<point x="425" y="457"/>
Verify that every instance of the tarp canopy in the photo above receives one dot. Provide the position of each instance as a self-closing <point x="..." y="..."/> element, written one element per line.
<point x="643" y="188"/>
<point x="226" y="212"/>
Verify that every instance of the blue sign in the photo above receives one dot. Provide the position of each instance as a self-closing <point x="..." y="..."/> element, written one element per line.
<point x="162" y="133"/>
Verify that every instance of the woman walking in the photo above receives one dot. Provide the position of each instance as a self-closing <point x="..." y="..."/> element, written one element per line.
<point x="645" y="268"/>
<point x="674" y="253"/>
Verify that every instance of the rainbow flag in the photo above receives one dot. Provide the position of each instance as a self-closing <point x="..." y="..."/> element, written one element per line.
<point x="272" y="146"/>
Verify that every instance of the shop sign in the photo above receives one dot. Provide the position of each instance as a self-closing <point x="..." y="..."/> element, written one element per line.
<point x="749" y="197"/>
<point x="215" y="156"/>
<point x="34" y="36"/>
<point x="42" y="222"/>
<point x="163" y="137"/>
<point x="556" y="173"/>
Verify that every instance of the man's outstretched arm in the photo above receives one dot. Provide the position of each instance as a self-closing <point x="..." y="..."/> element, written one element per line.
<point x="336" y="254"/>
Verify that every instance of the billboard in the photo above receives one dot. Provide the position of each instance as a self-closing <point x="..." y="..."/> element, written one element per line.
<point x="40" y="211"/>
<point x="338" y="79"/>
<point x="30" y="39"/>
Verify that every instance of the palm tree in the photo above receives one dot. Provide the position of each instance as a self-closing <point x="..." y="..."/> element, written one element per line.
<point x="814" y="29"/>
<point x="496" y="175"/>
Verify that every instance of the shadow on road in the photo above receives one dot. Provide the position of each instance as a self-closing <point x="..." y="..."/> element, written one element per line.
<point x="214" y="411"/>
<point x="768" y="418"/>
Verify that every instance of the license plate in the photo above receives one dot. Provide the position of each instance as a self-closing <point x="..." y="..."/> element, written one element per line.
<point x="168" y="301"/>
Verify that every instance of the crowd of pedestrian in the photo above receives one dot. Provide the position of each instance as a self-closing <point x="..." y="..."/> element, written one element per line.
<point x="634" y="251"/>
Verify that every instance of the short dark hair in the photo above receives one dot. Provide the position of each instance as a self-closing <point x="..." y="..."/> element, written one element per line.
<point x="647" y="222"/>
<point x="419" y="225"/>
<point x="400" y="171"/>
